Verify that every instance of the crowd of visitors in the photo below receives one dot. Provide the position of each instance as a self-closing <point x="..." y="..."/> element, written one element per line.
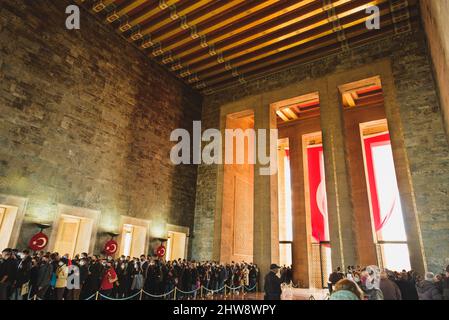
<point x="50" y="276"/>
<point x="371" y="283"/>
<point x="46" y="275"/>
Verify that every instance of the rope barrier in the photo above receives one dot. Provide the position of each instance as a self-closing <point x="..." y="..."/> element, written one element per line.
<point x="250" y="289"/>
<point x="187" y="292"/>
<point x="233" y="288"/>
<point x="158" y="295"/>
<point x="88" y="298"/>
<point x="210" y="290"/>
<point x="98" y="294"/>
<point x="127" y="298"/>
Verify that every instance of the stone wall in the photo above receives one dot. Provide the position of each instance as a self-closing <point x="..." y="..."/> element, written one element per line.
<point x="85" y="120"/>
<point x="421" y="122"/>
<point x="434" y="15"/>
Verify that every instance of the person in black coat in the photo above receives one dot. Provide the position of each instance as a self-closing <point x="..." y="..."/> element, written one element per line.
<point x="407" y="287"/>
<point x="272" y="285"/>
<point x="44" y="277"/>
<point x="8" y="268"/>
<point x="93" y="281"/>
<point x="23" y="273"/>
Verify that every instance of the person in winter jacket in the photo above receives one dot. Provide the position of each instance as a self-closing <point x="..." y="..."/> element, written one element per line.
<point x="62" y="272"/>
<point x="389" y="289"/>
<point x="427" y="290"/>
<point x="44" y="276"/>
<point x="407" y="286"/>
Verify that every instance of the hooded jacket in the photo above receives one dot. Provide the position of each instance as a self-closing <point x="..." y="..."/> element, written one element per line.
<point x="427" y="290"/>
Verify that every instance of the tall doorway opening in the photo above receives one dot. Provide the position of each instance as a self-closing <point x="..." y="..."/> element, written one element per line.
<point x="284" y="204"/>
<point x="8" y="216"/>
<point x="73" y="236"/>
<point x="133" y="240"/>
<point x="303" y="224"/>
<point x="384" y="199"/>
<point x="176" y="245"/>
<point x="237" y="222"/>
<point x="378" y="213"/>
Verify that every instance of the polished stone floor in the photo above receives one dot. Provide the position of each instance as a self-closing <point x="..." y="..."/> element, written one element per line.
<point x="289" y="294"/>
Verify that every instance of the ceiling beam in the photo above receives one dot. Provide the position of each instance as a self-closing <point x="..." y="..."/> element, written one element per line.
<point x="208" y="71"/>
<point x="149" y="14"/>
<point x="126" y="9"/>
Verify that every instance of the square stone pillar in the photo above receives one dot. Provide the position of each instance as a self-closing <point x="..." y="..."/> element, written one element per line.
<point x="266" y="224"/>
<point x="341" y="220"/>
<point x="301" y="222"/>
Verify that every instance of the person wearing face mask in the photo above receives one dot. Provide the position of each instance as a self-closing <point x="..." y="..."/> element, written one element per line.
<point x="22" y="275"/>
<point x="33" y="276"/>
<point x="44" y="277"/>
<point x="137" y="280"/>
<point x="93" y="281"/>
<point x="144" y="263"/>
<point x="62" y="273"/>
<point x="82" y="273"/>
<point x="122" y="274"/>
<point x="108" y="280"/>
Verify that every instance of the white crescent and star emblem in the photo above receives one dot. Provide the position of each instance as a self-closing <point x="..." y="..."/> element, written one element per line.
<point x="38" y="241"/>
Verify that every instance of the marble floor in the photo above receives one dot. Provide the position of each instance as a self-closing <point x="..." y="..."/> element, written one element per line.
<point x="289" y="294"/>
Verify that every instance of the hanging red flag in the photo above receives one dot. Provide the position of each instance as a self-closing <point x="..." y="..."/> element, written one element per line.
<point x="110" y="247"/>
<point x="160" y="252"/>
<point x="317" y="192"/>
<point x="38" y="241"/>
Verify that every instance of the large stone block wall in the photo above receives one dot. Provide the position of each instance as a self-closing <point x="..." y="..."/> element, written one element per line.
<point x="85" y="120"/>
<point x="434" y="15"/>
<point x="422" y="123"/>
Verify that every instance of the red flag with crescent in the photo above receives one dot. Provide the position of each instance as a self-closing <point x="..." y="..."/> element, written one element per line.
<point x="38" y="241"/>
<point x="160" y="252"/>
<point x="317" y="193"/>
<point x="110" y="247"/>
